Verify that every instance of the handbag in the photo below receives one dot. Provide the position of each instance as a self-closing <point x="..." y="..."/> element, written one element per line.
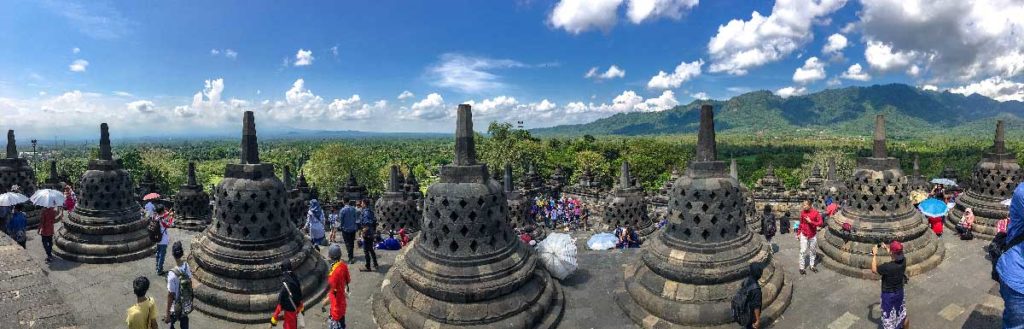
<point x="300" y="319"/>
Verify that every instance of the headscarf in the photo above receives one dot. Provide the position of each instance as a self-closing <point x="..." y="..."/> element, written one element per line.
<point x="315" y="210"/>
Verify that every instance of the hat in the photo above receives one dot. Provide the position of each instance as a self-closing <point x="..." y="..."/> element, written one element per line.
<point x="895" y="248"/>
<point x="334" y="252"/>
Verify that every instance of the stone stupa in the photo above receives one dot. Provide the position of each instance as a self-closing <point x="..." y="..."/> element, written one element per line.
<point x="688" y="273"/>
<point x="626" y="206"/>
<point x="917" y="181"/>
<point x="750" y="210"/>
<point x="994" y="179"/>
<point x="467" y="269"/>
<point x="394" y="211"/>
<point x="833" y="185"/>
<point x="191" y="204"/>
<point x="352" y="190"/>
<point x="53" y="181"/>
<point x="880" y="211"/>
<point x="533" y="184"/>
<point x="236" y="260"/>
<point x="147" y="185"/>
<point x="107" y="224"/>
<point x="412" y="186"/>
<point x="813" y="183"/>
<point x="16" y="171"/>
<point x="557" y="181"/>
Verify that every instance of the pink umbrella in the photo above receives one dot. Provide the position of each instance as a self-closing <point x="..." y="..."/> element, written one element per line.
<point x="151" y="196"/>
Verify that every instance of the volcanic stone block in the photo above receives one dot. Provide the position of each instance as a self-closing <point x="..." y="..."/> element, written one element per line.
<point x="106" y="225"/>
<point x="467" y="269"/>
<point x="17" y="171"/>
<point x="236" y="260"/>
<point x="626" y="206"/>
<point x="880" y="211"/>
<point x="994" y="179"/>
<point x="394" y="210"/>
<point x="191" y="204"/>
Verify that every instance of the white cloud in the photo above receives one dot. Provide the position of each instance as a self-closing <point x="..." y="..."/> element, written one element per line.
<point x="836" y="43"/>
<point x="304" y="57"/>
<point x="791" y="91"/>
<point x="883" y="58"/>
<point x="930" y="87"/>
<point x="96" y="19"/>
<point x="230" y="54"/>
<point x="214" y="52"/>
<point x="354" y="109"/>
<point x="405" y="95"/>
<point x="577" y="16"/>
<point x="700" y="96"/>
<point x="741" y="45"/>
<point x="813" y="70"/>
<point x="995" y="87"/>
<point x="76" y="50"/>
<point x="334" y="51"/>
<point x="141" y="106"/>
<point x="666" y="101"/>
<point x="628" y="101"/>
<point x="855" y="72"/>
<point x="683" y="72"/>
<point x="833" y="82"/>
<point x="543" y="106"/>
<point x="469" y="74"/>
<point x="641" y="10"/>
<point x="612" y="73"/>
<point x="430" y="108"/>
<point x="122" y="93"/>
<point x="849" y="28"/>
<point x="78" y="65"/>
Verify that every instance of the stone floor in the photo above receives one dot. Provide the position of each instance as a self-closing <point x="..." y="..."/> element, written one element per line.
<point x="957" y="294"/>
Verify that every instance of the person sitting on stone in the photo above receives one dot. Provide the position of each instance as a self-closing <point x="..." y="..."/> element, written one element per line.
<point x="963" y="228"/>
<point x="628" y="238"/>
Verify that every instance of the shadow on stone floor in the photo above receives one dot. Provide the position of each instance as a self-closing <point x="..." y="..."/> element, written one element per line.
<point x="582" y="276"/>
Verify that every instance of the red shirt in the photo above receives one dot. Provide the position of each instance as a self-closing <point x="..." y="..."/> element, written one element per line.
<point x="810" y="220"/>
<point x="46" y="220"/>
<point x="337" y="280"/>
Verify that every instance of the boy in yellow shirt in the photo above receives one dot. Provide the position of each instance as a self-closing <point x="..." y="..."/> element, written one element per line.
<point x="142" y="315"/>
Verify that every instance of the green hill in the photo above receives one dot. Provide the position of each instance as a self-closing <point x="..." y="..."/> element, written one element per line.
<point x="848" y="111"/>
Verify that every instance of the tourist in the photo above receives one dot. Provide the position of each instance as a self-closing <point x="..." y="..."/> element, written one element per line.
<point x="5" y="217"/>
<point x="348" y="220"/>
<point x="784" y="223"/>
<point x="963" y="228"/>
<point x="289" y="299"/>
<point x="70" y="198"/>
<point x="747" y="304"/>
<point x="768" y="223"/>
<point x="150" y="209"/>
<point x="810" y="221"/>
<point x="403" y="237"/>
<point x="628" y="238"/>
<point x="1010" y="265"/>
<point x="338" y="280"/>
<point x="165" y="219"/>
<point x="46" y="219"/>
<point x="369" y="224"/>
<point x="179" y="289"/>
<point x="315" y="224"/>
<point x="894" y="276"/>
<point x="332" y="221"/>
<point x="142" y="314"/>
<point x="17" y="226"/>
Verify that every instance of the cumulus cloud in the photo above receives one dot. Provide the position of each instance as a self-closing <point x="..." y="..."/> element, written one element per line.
<point x="700" y="96"/>
<point x="79" y="65"/>
<point x="642" y="10"/>
<point x="470" y="74"/>
<point x="141" y="106"/>
<point x="995" y="87"/>
<point x="883" y="58"/>
<point x="230" y="54"/>
<point x="666" y="101"/>
<point x="855" y="72"/>
<point x="683" y="72"/>
<point x="405" y="95"/>
<point x="741" y="45"/>
<point x="835" y="45"/>
<point x="930" y="87"/>
<point x="791" y="91"/>
<point x="303" y="58"/>
<point x="612" y="73"/>
<point x="334" y="51"/>
<point x="628" y="101"/>
<point x="813" y="70"/>
<point x="76" y="50"/>
<point x="429" y="108"/>
<point x="578" y="16"/>
<point x="122" y="93"/>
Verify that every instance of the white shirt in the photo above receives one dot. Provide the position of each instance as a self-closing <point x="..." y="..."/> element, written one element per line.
<point x="165" y="237"/>
<point x="172" y="280"/>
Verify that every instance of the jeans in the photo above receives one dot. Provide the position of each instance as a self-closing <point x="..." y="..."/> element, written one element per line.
<point x="1013" y="311"/>
<point x="183" y="321"/>
<point x="161" y="253"/>
<point x="808" y="246"/>
<point x="350" y="242"/>
<point x="47" y="245"/>
<point x="368" y="251"/>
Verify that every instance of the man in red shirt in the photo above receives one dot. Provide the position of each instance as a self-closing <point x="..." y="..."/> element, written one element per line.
<point x="337" y="289"/>
<point x="810" y="221"/>
<point x="46" y="219"/>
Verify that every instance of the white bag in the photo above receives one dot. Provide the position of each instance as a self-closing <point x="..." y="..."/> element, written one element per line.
<point x="558" y="254"/>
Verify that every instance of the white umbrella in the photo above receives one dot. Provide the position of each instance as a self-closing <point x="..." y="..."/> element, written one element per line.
<point x="12" y="198"/>
<point x="944" y="181"/>
<point x="558" y="254"/>
<point x="47" y="198"/>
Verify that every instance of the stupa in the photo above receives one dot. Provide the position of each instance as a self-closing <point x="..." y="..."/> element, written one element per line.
<point x="750" y="210"/>
<point x="626" y="206"/>
<point x="688" y="272"/>
<point x="951" y="173"/>
<point x="533" y="184"/>
<point x="303" y="193"/>
<point x="17" y="171"/>
<point x="880" y="211"/>
<point x="236" y="261"/>
<point x="813" y="183"/>
<point x="53" y="181"/>
<point x="557" y="181"/>
<point x="412" y="186"/>
<point x="588" y="191"/>
<point x="769" y="185"/>
<point x="994" y="179"/>
<point x="467" y="269"/>
<point x="352" y="190"/>
<point x="191" y="204"/>
<point x="833" y="185"/>
<point x="394" y="211"/>
<point x="917" y="181"/>
<point x="106" y="225"/>
<point x="660" y="200"/>
<point x="147" y="185"/>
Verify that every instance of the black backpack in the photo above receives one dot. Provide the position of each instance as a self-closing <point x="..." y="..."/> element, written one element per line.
<point x="997" y="248"/>
<point x="742" y="304"/>
<point x="768" y="224"/>
<point x="155" y="230"/>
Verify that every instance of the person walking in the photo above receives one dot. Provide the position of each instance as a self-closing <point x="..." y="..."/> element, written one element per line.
<point x="332" y="222"/>
<point x="894" y="276"/>
<point x="18" y="225"/>
<point x="369" y="224"/>
<point x="747" y="302"/>
<point x="1010" y="265"/>
<point x="179" y="289"/>
<point x="338" y="280"/>
<point x="46" y="219"/>
<point x="150" y="209"/>
<point x="348" y="220"/>
<point x="315" y="224"/>
<point x="165" y="219"/>
<point x="142" y="314"/>
<point x="768" y="223"/>
<point x="289" y="299"/>
<point x="807" y="232"/>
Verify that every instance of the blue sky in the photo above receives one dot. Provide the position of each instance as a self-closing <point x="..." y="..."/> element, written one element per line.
<point x="404" y="65"/>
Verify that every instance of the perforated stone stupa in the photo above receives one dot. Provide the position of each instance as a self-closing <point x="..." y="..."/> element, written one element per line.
<point x="518" y="205"/>
<point x="834" y="185"/>
<point x="17" y="171"/>
<point x="236" y="261"/>
<point x="147" y="185"/>
<point x="301" y="196"/>
<point x="467" y="269"/>
<point x="626" y="206"/>
<point x="106" y="225"/>
<point x="880" y="211"/>
<point x="191" y="204"/>
<point x="394" y="211"/>
<point x="352" y="190"/>
<point x="994" y="179"/>
<point x="688" y="272"/>
<point x="750" y="209"/>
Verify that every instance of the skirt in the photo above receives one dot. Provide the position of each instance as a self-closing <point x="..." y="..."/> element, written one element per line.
<point x="894" y="311"/>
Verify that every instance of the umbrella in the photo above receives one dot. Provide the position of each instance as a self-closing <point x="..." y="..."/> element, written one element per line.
<point x="602" y="241"/>
<point x="933" y="207"/>
<point x="12" y="198"/>
<point x="47" y="198"/>
<point x="558" y="253"/>
<point x="944" y="181"/>
<point x="918" y="196"/>
<point x="1006" y="202"/>
<point x="151" y="196"/>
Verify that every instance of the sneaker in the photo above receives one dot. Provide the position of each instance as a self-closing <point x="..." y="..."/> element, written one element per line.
<point x="802" y="272"/>
<point x="814" y="269"/>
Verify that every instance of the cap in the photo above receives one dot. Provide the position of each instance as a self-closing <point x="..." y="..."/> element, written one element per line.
<point x="895" y="248"/>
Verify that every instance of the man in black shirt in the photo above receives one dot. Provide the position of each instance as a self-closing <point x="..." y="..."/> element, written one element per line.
<point x="894" y="276"/>
<point x="755" y="295"/>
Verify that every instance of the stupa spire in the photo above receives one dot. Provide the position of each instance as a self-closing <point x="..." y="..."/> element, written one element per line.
<point x="999" y="146"/>
<point x="105" y="153"/>
<point x="53" y="171"/>
<point x="465" y="148"/>
<point x="508" y="178"/>
<point x="625" y="179"/>
<point x="917" y="166"/>
<point x="879" y="151"/>
<point x="288" y="184"/>
<point x="831" y="169"/>
<point x="250" y="148"/>
<point x="706" y="147"/>
<point x="733" y="171"/>
<point x="192" y="174"/>
<point x="12" y="147"/>
<point x="393" y="180"/>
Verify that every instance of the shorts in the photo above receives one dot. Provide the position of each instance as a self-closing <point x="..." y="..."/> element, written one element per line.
<point x="332" y="324"/>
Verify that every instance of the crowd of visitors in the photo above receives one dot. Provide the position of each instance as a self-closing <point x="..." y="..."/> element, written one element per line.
<point x="560" y="212"/>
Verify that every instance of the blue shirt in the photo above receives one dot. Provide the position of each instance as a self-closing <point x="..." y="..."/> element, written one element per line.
<point x="368" y="219"/>
<point x="348" y="219"/>
<point x="18" y="223"/>
<point x="1011" y="263"/>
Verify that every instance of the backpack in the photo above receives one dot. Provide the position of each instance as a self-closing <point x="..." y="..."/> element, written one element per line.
<point x="19" y="236"/>
<point x="155" y="230"/>
<point x="183" y="299"/>
<point x="768" y="224"/>
<point x="997" y="248"/>
<point x="742" y="304"/>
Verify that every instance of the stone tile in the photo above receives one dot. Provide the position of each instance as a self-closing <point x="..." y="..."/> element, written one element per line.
<point x="845" y="321"/>
<point x="951" y="312"/>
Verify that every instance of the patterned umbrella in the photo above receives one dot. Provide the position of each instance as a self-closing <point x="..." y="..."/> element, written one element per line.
<point x="12" y="198"/>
